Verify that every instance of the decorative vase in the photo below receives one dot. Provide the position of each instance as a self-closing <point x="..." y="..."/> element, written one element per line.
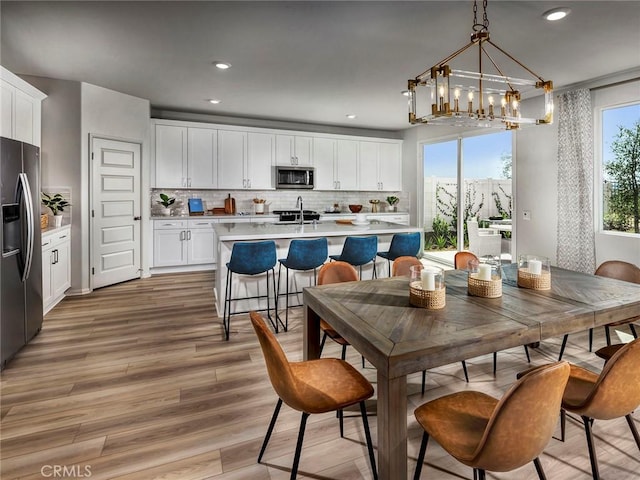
<point x="165" y="211"/>
<point x="57" y="221"/>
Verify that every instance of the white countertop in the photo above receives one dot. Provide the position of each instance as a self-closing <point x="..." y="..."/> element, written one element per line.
<point x="265" y="231"/>
<point x="229" y="218"/>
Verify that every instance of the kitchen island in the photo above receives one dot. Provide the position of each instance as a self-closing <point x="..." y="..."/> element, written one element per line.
<point x="226" y="234"/>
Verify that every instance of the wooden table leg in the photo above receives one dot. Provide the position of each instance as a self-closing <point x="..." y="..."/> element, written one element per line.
<point x="392" y="427"/>
<point x="310" y="335"/>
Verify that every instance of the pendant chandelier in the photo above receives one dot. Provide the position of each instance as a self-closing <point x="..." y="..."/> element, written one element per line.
<point x="475" y="99"/>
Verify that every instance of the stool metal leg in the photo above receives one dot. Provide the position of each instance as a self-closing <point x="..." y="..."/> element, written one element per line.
<point x="226" y="316"/>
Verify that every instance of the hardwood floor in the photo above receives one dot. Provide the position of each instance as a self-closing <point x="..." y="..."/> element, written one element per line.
<point x="135" y="382"/>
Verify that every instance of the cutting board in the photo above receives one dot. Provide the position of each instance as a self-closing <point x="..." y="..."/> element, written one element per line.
<point x="230" y="205"/>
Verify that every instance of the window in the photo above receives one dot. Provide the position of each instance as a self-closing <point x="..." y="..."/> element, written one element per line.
<point x="620" y="140"/>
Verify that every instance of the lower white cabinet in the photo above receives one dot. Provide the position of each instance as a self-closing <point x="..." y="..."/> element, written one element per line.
<point x="183" y="242"/>
<point x="56" y="266"/>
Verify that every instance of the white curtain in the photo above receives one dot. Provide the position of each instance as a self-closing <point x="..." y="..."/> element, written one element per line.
<point x="576" y="250"/>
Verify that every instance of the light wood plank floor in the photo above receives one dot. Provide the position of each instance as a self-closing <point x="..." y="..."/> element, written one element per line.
<point x="135" y="382"/>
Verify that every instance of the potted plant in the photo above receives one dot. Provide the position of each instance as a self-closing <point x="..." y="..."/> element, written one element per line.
<point x="392" y="201"/>
<point x="56" y="204"/>
<point x="166" y="201"/>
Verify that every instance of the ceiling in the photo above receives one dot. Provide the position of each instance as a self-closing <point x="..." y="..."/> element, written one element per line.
<point x="309" y="62"/>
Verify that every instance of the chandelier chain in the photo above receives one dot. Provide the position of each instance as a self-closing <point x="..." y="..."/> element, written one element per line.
<point x="484" y="26"/>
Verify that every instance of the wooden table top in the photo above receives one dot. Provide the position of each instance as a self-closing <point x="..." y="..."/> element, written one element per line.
<point x="398" y="338"/>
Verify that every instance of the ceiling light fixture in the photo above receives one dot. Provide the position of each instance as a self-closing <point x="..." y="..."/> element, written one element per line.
<point x="222" y="65"/>
<point x="492" y="98"/>
<point x="214" y="101"/>
<point x="556" y="14"/>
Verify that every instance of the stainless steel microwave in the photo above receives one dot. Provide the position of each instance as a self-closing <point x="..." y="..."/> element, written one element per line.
<point x="295" y="177"/>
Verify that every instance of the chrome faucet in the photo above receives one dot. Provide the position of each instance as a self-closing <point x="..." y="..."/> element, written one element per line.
<point x="299" y="205"/>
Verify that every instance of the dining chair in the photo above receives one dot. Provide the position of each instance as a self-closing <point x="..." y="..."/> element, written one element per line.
<point x="359" y="251"/>
<point x="303" y="255"/>
<point x="401" y="266"/>
<point x="483" y="241"/>
<point x="494" y="435"/>
<point x="251" y="258"/>
<point x="402" y="245"/>
<point x="313" y="386"/>
<point x="461" y="262"/>
<point x="619" y="270"/>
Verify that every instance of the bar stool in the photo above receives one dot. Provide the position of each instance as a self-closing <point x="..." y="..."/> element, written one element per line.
<point x="303" y="255"/>
<point x="358" y="251"/>
<point x="251" y="258"/>
<point x="402" y="245"/>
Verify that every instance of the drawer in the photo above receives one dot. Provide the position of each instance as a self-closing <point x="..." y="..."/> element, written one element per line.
<point x="204" y="223"/>
<point x="169" y="224"/>
<point x="53" y="239"/>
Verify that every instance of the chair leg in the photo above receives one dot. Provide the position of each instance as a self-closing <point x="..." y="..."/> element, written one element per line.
<point x="270" y="429"/>
<point x="341" y="421"/>
<point x="424" y="380"/>
<point x="538" y="465"/>
<point x="296" y="458"/>
<point x="607" y="332"/>
<point x="362" y="361"/>
<point x="495" y="363"/>
<point x="464" y="369"/>
<point x="324" y="338"/>
<point x="591" y="339"/>
<point x="367" y="435"/>
<point x="563" y="423"/>
<point x="481" y="474"/>
<point x="634" y="430"/>
<point x="526" y="350"/>
<point x="632" y="327"/>
<point x="423" y="449"/>
<point x="226" y="316"/>
<point x="344" y="352"/>
<point x="592" y="452"/>
<point x="564" y="344"/>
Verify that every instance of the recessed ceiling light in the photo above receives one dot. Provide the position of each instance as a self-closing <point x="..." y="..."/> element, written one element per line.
<point x="222" y="65"/>
<point x="214" y="101"/>
<point x="351" y="116"/>
<point x="556" y="13"/>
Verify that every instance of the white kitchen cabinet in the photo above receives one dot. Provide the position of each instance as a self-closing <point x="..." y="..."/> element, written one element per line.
<point x="56" y="266"/>
<point x="294" y="150"/>
<point x="245" y="160"/>
<point x="183" y="242"/>
<point x="336" y="164"/>
<point x="380" y="166"/>
<point x="202" y="157"/>
<point x="20" y="108"/>
<point x="185" y="157"/>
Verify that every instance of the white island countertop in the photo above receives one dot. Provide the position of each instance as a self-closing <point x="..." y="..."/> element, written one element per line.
<point x="226" y="232"/>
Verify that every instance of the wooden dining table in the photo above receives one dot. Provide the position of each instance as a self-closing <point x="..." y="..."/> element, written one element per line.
<point x="375" y="316"/>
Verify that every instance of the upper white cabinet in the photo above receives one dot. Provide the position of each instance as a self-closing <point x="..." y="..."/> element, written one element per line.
<point x="293" y="150"/>
<point x="20" y="108"/>
<point x="245" y="160"/>
<point x="260" y="154"/>
<point x="336" y="163"/>
<point x="380" y="166"/>
<point x="185" y="157"/>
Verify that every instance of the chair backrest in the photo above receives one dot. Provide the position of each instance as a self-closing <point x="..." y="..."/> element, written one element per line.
<point x="307" y="254"/>
<point x="461" y="260"/>
<point x="404" y="244"/>
<point x="278" y="368"/>
<point x="619" y="270"/>
<point x="251" y="258"/>
<point x="617" y="391"/>
<point x="336" y="272"/>
<point x="359" y="250"/>
<point x="524" y="420"/>
<point x="472" y="227"/>
<point x="401" y="266"/>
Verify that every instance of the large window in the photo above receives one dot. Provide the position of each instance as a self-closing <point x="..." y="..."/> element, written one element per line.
<point x="620" y="140"/>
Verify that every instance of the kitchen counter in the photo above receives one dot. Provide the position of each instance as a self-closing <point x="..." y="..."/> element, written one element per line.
<point x="226" y="234"/>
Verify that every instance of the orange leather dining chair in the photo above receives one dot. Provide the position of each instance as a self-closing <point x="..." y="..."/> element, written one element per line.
<point x="619" y="270"/>
<point x="313" y="386"/>
<point x="461" y="262"/>
<point x="494" y="435"/>
<point x="612" y="394"/>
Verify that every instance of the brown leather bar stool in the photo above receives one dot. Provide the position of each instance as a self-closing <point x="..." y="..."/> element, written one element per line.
<point x="495" y="435"/>
<point x="314" y="386"/>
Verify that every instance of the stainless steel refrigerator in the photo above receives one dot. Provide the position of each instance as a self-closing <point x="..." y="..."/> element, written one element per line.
<point x="21" y="258"/>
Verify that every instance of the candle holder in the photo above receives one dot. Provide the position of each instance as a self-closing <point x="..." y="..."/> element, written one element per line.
<point x="534" y="272"/>
<point x="485" y="277"/>
<point x="426" y="287"/>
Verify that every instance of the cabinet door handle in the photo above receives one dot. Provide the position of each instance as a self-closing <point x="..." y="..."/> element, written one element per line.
<point x="182" y="235"/>
<point x="188" y="234"/>
<point x="55" y="256"/>
<point x="249" y="183"/>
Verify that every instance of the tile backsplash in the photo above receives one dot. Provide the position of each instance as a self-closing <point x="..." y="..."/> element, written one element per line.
<point x="319" y="201"/>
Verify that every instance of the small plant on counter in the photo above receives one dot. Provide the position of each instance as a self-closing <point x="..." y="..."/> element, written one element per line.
<point x="55" y="203"/>
<point x="166" y="201"/>
<point x="392" y="200"/>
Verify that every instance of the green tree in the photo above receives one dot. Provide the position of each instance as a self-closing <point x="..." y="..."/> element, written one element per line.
<point x="624" y="171"/>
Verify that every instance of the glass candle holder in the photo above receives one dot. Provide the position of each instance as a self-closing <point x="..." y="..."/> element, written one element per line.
<point x="426" y="287"/>
<point x="484" y="277"/>
<point x="534" y="271"/>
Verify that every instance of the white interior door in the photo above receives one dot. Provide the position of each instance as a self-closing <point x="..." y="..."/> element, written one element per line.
<point x="115" y="222"/>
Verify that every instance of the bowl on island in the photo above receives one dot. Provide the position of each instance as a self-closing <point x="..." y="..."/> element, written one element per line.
<point x="355" y="208"/>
